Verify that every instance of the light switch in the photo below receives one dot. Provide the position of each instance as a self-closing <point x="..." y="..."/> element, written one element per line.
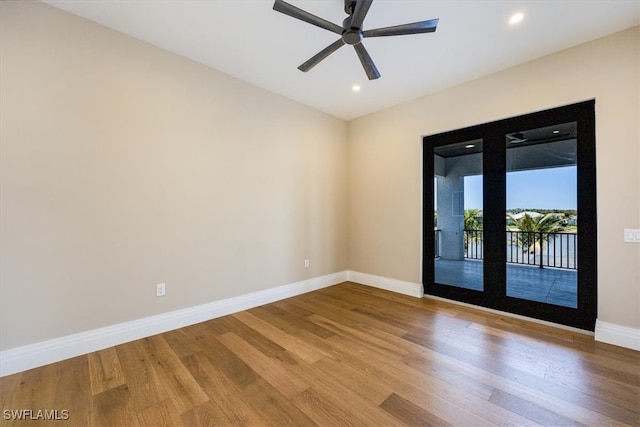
<point x="632" y="235"/>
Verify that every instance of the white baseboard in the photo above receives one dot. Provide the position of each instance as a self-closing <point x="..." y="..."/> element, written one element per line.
<point x="33" y="355"/>
<point x="393" y="285"/>
<point x="621" y="336"/>
<point x="39" y="354"/>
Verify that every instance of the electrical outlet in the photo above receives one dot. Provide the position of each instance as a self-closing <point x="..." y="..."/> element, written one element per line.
<point x="161" y="290"/>
<point x="306" y="263"/>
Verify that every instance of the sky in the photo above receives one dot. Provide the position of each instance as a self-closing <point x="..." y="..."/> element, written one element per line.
<point x="551" y="188"/>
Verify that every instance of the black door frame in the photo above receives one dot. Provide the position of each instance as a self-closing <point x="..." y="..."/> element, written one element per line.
<point x="494" y="295"/>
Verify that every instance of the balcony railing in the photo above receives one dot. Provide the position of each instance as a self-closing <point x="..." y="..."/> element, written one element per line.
<point x="557" y="250"/>
<point x="473" y="247"/>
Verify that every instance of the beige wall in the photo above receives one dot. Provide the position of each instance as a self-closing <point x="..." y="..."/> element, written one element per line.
<point x="385" y="160"/>
<point x="124" y="166"/>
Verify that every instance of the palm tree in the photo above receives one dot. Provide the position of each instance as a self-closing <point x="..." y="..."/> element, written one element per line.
<point x="471" y="221"/>
<point x="533" y="231"/>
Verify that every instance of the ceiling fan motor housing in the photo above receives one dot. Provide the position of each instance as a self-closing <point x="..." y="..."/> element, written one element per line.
<point x="351" y="35"/>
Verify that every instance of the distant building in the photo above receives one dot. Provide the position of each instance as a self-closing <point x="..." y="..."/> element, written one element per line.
<point x="530" y="213"/>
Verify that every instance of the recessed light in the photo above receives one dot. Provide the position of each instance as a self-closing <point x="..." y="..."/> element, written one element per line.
<point x="556" y="131"/>
<point x="516" y="19"/>
<point x="469" y="146"/>
<point x="355" y="88"/>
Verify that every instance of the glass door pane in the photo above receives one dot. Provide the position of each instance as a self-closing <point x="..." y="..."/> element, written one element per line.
<point x="458" y="215"/>
<point x="542" y="217"/>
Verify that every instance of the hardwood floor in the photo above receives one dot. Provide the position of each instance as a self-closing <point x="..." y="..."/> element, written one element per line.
<point x="344" y="355"/>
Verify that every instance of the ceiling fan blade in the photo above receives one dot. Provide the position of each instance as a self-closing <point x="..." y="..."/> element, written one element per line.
<point x="294" y="12"/>
<point x="405" y="29"/>
<point x="367" y="62"/>
<point x="359" y="13"/>
<point x="315" y="60"/>
<point x="549" y="138"/>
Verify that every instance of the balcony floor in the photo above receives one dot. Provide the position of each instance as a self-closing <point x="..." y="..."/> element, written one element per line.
<point x="548" y="285"/>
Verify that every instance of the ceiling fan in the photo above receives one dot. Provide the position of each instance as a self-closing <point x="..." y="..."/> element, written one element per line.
<point x="351" y="31"/>
<point x="519" y="137"/>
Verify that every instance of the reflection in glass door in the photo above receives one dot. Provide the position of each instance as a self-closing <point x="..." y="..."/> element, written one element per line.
<point x="542" y="214"/>
<point x="457" y="202"/>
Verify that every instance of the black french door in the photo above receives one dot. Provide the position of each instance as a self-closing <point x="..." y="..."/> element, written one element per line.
<point x="514" y="215"/>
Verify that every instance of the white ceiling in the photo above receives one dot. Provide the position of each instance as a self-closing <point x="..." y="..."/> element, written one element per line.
<point x="248" y="40"/>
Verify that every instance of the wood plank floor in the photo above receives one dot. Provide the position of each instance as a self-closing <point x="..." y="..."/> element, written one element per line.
<point x="344" y="355"/>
